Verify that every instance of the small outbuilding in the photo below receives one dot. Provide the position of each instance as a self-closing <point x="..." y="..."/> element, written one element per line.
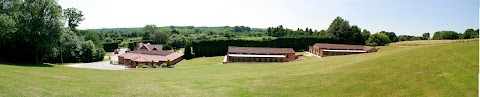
<point x="259" y="54"/>
<point x="325" y="49"/>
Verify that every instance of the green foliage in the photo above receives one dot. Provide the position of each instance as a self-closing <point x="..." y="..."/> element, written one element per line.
<point x="36" y="26"/>
<point x="470" y="33"/>
<point x="93" y="36"/>
<point x="391" y="36"/>
<point x="7" y="28"/>
<point x="153" y="64"/>
<point x="148" y="30"/>
<point x="73" y="48"/>
<point x="445" y="35"/>
<point x="73" y="17"/>
<point x="276" y="31"/>
<point x="365" y="34"/>
<point x="241" y="29"/>
<point x="378" y="39"/>
<point x="409" y="38"/>
<point x="341" y="29"/>
<point x="188" y="52"/>
<point x="70" y="47"/>
<point x="177" y="41"/>
<point x="426" y="36"/>
<point x="169" y="63"/>
<point x="229" y="35"/>
<point x="110" y="47"/>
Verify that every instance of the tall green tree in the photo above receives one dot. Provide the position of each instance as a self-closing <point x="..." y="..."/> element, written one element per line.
<point x="188" y="52"/>
<point x="40" y="26"/>
<point x="470" y="33"/>
<point x="159" y="37"/>
<point x="7" y="28"/>
<point x="356" y="37"/>
<point x="149" y="30"/>
<point x="426" y="36"/>
<point x="340" y="28"/>
<point x="365" y="34"/>
<point x="73" y="17"/>
<point x="177" y="41"/>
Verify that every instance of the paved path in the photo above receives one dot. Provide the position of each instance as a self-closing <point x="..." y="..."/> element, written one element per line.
<point x="99" y="65"/>
<point x="102" y="65"/>
<point x="310" y="54"/>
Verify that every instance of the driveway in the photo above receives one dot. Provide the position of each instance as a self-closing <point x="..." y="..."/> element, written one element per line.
<point x="99" y="65"/>
<point x="102" y="65"/>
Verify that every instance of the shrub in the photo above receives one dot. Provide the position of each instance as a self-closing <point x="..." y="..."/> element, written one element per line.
<point x="169" y="64"/>
<point x="153" y="64"/>
<point x="378" y="39"/>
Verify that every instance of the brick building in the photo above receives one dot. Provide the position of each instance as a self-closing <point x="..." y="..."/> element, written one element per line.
<point x="148" y="46"/>
<point x="325" y="49"/>
<point x="146" y="53"/>
<point x="259" y="54"/>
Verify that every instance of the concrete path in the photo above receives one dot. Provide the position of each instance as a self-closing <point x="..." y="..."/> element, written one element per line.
<point x="99" y="65"/>
<point x="102" y="65"/>
<point x="310" y="54"/>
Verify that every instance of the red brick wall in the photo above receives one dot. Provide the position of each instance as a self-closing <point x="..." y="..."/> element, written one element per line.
<point x="177" y="60"/>
<point x="289" y="57"/>
<point x="121" y="60"/>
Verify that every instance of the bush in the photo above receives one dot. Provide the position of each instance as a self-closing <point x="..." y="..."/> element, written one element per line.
<point x="110" y="47"/>
<point x="378" y="39"/>
<point x="153" y="64"/>
<point x="188" y="52"/>
<point x="169" y="64"/>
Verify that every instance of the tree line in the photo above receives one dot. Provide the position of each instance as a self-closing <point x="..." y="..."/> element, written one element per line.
<point x="32" y="31"/>
<point x="352" y="34"/>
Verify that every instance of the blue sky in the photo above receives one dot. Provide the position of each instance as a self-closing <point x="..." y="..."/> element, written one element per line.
<point x="404" y="17"/>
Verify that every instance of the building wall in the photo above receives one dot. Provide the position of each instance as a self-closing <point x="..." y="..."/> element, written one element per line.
<point x="318" y="52"/>
<point x="121" y="60"/>
<point x="177" y="60"/>
<point x="290" y="57"/>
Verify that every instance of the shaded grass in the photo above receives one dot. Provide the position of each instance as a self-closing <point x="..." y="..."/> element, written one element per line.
<point x="436" y="70"/>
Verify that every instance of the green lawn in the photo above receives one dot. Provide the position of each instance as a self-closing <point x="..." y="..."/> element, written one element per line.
<point x="431" y="70"/>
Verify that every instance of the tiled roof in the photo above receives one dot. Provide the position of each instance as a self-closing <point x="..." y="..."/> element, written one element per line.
<point x="148" y="56"/>
<point x="150" y="46"/>
<point x="342" y="46"/>
<point x="259" y="50"/>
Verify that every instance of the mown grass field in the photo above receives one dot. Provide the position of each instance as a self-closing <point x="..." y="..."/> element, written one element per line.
<point x="430" y="70"/>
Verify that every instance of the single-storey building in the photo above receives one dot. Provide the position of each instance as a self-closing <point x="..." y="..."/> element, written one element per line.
<point x="145" y="57"/>
<point x="325" y="49"/>
<point x="145" y="53"/>
<point x="259" y="54"/>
